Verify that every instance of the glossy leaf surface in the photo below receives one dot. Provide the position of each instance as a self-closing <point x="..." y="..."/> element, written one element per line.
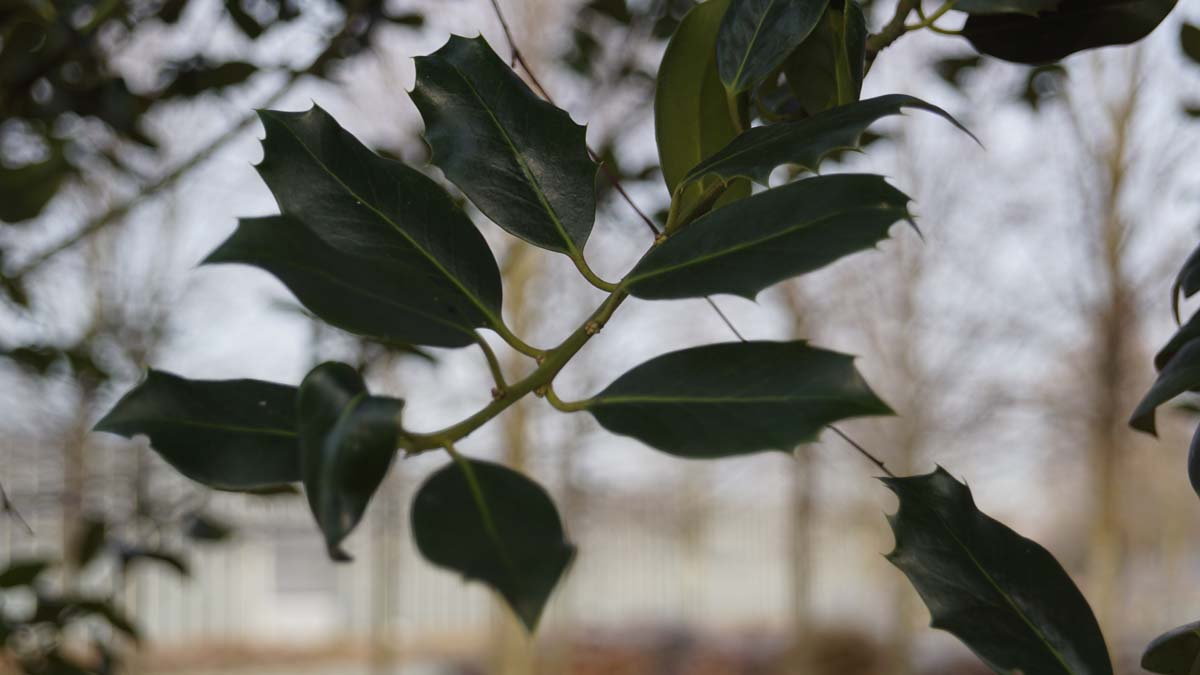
<point x="1003" y="595"/>
<point x="388" y="301"/>
<point x="757" y="35"/>
<point x="1075" y="26"/>
<point x="769" y="237"/>
<point x="521" y="160"/>
<point x="488" y="522"/>
<point x="756" y="152"/>
<point x="227" y="434"/>
<point x="693" y="114"/>
<point x="1176" y="652"/>
<point x="1031" y="7"/>
<point x="735" y="398"/>
<point x="348" y="439"/>
<point x="1181" y="373"/>
<point x="827" y="69"/>
<point x="377" y="214"/>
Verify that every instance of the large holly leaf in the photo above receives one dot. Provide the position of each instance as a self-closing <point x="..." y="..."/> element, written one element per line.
<point x="376" y="214"/>
<point x="388" y="301"/>
<point x="772" y="236"/>
<point x="1075" y="26"/>
<point x="693" y="114"/>
<point x="1176" y="652"/>
<point x="735" y="398"/>
<point x="827" y="69"/>
<point x="1003" y="595"/>
<point x="347" y="441"/>
<point x="1179" y="374"/>
<point x="757" y="35"/>
<point x="227" y="434"/>
<point x="521" y="160"/>
<point x="1032" y="7"/>
<point x="756" y="152"/>
<point x="488" y="522"/>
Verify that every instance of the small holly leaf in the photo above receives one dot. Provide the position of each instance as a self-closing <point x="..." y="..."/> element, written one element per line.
<point x="1187" y="282"/>
<point x="1003" y="595"/>
<point x="1176" y="652"/>
<point x="227" y="434"/>
<point x="693" y="114"/>
<point x="756" y="152"/>
<point x="1031" y="7"/>
<point x="488" y="522"/>
<point x="735" y="398"/>
<point x="22" y="572"/>
<point x="1075" y="26"/>
<point x="377" y="214"/>
<point x="1179" y="374"/>
<point x="521" y="160"/>
<point x="827" y="69"/>
<point x="770" y="237"/>
<point x="348" y="439"/>
<point x="757" y="35"/>
<point x="1189" y="41"/>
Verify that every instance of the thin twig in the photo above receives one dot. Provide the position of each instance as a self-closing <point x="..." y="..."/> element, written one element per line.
<point x="890" y="32"/>
<point x="863" y="451"/>
<point x="9" y="508"/>
<point x="712" y="303"/>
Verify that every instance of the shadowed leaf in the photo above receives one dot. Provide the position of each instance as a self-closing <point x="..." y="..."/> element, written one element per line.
<point x="757" y="35"/>
<point x="1176" y="652"/>
<point x="1031" y="7"/>
<point x="1179" y="374"/>
<point x="827" y="69"/>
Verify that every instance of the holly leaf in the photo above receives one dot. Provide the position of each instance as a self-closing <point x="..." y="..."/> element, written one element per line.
<point x="756" y="152"/>
<point x="769" y="237"/>
<point x="1176" y="652"/>
<point x="521" y="160"/>
<point x="1181" y="373"/>
<point x="1003" y="595"/>
<point x="1031" y="7"/>
<point x="1075" y="26"/>
<point x="378" y="216"/>
<point x="827" y="69"/>
<point x="488" y="522"/>
<point x="227" y="434"/>
<point x="693" y="114"/>
<point x="735" y="398"/>
<point x="347" y="439"/>
<point x="757" y="35"/>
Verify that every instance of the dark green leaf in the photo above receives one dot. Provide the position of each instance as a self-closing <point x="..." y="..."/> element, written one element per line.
<point x="1187" y="282"/>
<point x="377" y="214"/>
<point x="693" y="114"/>
<point x="1186" y="333"/>
<point x="1032" y="7"/>
<point x="772" y="236"/>
<point x="1194" y="464"/>
<point x="756" y="152"/>
<point x="135" y="554"/>
<point x="1181" y="373"/>
<point x="1075" y="26"/>
<point x="1176" y="652"/>
<point x="522" y="161"/>
<point x="1189" y="41"/>
<point x="22" y="572"/>
<point x="488" y="522"/>
<point x="25" y="191"/>
<point x="734" y="399"/>
<point x="827" y="69"/>
<point x="229" y="434"/>
<point x="1003" y="595"/>
<point x="757" y="35"/>
<point x="348" y="439"/>
<point x="89" y="540"/>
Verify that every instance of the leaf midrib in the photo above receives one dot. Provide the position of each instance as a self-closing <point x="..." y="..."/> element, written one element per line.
<point x="519" y="157"/>
<point x="715" y="400"/>
<point x="633" y="279"/>
<point x="261" y="431"/>
<point x="1000" y="591"/>
<point x="487" y="312"/>
<point x="750" y="45"/>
